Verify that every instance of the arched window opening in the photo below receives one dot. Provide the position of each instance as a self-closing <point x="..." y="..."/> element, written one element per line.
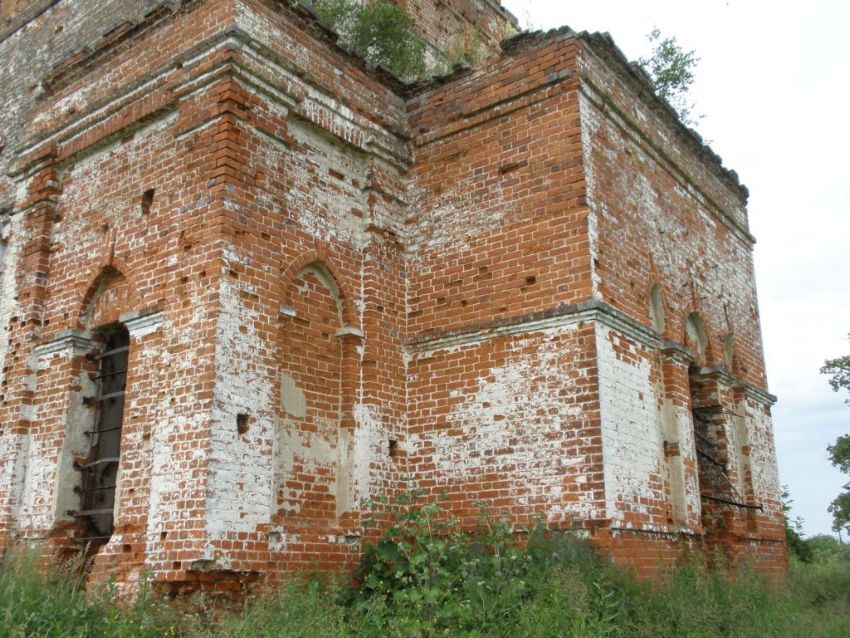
<point x="656" y="309"/>
<point x="100" y="468"/>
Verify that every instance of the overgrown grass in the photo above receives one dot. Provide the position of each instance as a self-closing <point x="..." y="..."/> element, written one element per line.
<point x="35" y="604"/>
<point x="427" y="578"/>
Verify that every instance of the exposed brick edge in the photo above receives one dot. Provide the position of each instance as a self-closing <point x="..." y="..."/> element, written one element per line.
<point x="603" y="45"/>
<point x="564" y="315"/>
<point x="147" y="96"/>
<point x="84" y="61"/>
<point x="25" y="18"/>
<point x="600" y="99"/>
<point x="117" y="38"/>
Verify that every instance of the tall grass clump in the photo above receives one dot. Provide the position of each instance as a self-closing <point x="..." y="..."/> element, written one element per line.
<point x="428" y="576"/>
<point x="53" y="603"/>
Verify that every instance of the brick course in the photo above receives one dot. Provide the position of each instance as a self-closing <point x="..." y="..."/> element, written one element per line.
<point x="525" y="284"/>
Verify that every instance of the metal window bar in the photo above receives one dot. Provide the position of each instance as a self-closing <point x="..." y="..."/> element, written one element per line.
<point x="92" y="512"/>
<point x="727" y="501"/>
<point x="720" y="471"/>
<point x="97" y="492"/>
<point x="112" y="429"/>
<point x="92" y="538"/>
<point x="96" y="488"/>
<point x="102" y="398"/>
<point x="712" y="460"/>
<point x="108" y="459"/>
<point x="109" y="353"/>
<point x="109" y="375"/>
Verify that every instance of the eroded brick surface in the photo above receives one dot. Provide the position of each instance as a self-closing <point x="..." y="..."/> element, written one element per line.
<point x="526" y="285"/>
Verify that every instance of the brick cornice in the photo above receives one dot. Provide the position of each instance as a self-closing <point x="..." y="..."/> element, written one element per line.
<point x="603" y="45"/>
<point x="561" y="316"/>
<point x="158" y="93"/>
<point x="603" y="102"/>
<point x="73" y="340"/>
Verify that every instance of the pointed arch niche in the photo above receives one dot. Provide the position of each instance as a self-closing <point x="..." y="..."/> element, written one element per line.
<point x="312" y="460"/>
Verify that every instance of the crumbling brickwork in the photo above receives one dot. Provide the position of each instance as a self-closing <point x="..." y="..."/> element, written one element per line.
<point x="526" y="284"/>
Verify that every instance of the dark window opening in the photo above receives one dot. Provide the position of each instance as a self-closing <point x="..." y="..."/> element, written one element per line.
<point x="720" y="496"/>
<point x="100" y="471"/>
<point x="147" y="201"/>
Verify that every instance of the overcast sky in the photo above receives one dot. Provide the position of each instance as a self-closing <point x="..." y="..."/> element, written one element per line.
<point x="774" y="85"/>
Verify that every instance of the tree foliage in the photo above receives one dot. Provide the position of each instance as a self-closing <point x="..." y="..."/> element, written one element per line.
<point x="794" y="530"/>
<point x="839" y="452"/>
<point x="840" y="370"/>
<point x="378" y="32"/>
<point x="671" y="70"/>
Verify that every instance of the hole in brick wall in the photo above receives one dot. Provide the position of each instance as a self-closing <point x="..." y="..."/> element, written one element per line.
<point x="530" y="280"/>
<point x="126" y="548"/>
<point x="147" y="200"/>
<point x="464" y="302"/>
<point x="184" y="279"/>
<point x="242" y="423"/>
<point x="265" y="236"/>
<point x="203" y="274"/>
<point x="509" y="168"/>
<point x="233" y="274"/>
<point x="175" y="564"/>
<point x="393" y="448"/>
<point x="441" y="300"/>
<point x="163" y="536"/>
<point x="104" y="228"/>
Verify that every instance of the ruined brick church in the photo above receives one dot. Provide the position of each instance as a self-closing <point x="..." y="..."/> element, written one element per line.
<point x="248" y="280"/>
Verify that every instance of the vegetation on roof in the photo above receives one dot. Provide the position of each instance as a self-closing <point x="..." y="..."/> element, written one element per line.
<point x="382" y="34"/>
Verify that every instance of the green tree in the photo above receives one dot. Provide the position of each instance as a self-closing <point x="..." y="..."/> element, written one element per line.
<point x="379" y="32"/>
<point x="840" y="370"/>
<point x="671" y="70"/>
<point x="794" y="529"/>
<point x="839" y="452"/>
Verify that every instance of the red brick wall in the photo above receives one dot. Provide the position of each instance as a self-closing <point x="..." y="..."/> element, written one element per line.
<point x="335" y="285"/>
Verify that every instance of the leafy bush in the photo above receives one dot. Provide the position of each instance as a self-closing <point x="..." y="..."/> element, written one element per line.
<point x="379" y="32"/>
<point x="426" y="576"/>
